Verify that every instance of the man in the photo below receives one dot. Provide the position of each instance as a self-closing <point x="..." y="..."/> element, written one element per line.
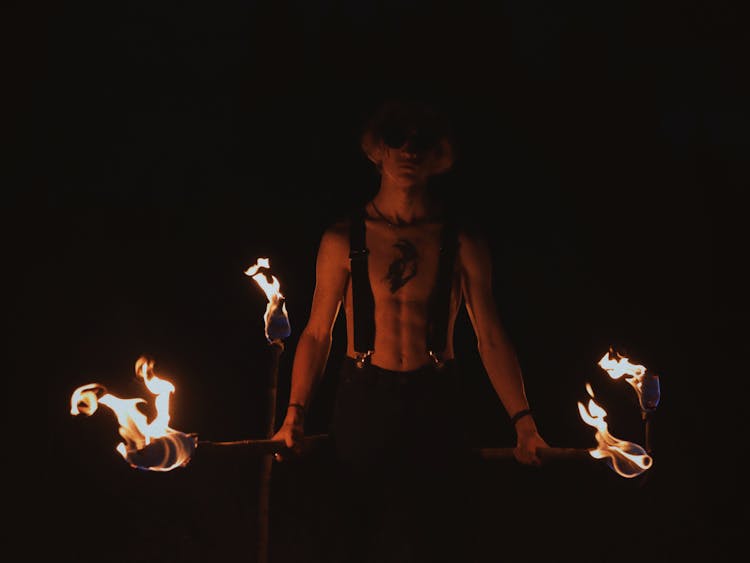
<point x="401" y="267"/>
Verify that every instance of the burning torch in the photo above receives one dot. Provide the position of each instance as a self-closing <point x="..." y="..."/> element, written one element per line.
<point x="277" y="328"/>
<point x="153" y="445"/>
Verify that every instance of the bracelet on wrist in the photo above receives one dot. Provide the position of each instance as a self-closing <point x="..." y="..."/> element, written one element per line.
<point x="519" y="415"/>
<point x="300" y="407"/>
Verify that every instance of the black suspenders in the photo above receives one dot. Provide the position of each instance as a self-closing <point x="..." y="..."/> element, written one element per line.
<point x="363" y="303"/>
<point x="437" y="330"/>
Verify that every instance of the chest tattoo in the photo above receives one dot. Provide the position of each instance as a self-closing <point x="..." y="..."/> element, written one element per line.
<point x="402" y="269"/>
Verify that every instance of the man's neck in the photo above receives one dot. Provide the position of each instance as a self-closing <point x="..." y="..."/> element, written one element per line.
<point x="403" y="204"/>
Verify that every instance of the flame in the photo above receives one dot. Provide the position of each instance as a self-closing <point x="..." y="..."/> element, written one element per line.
<point x="646" y="384"/>
<point x="148" y="445"/>
<point x="626" y="458"/>
<point x="276" y="317"/>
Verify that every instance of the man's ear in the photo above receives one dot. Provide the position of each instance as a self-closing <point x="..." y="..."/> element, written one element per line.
<point x="373" y="148"/>
<point x="444" y="157"/>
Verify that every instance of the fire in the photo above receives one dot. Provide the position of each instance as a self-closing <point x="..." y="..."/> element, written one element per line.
<point x="276" y="317"/>
<point x="626" y="458"/>
<point x="646" y="384"/>
<point x="148" y="445"/>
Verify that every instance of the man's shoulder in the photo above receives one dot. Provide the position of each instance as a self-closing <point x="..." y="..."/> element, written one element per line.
<point x="338" y="228"/>
<point x="336" y="237"/>
<point x="464" y="225"/>
<point x="471" y="236"/>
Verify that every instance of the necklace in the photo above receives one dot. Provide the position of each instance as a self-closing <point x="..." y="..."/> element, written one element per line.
<point x="383" y="217"/>
<point x="395" y="225"/>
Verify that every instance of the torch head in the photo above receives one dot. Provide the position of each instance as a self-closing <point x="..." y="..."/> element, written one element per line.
<point x="164" y="453"/>
<point x="277" y="322"/>
<point x="650" y="392"/>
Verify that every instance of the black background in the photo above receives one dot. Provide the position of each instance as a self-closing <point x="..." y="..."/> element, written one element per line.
<point x="176" y="142"/>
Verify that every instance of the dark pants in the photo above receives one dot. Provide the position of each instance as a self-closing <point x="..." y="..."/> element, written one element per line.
<point x="402" y="467"/>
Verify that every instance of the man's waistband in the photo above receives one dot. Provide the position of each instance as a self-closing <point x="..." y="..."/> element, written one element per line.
<point x="428" y="370"/>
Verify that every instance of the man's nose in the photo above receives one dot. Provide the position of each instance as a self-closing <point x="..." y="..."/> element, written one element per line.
<point x="410" y="146"/>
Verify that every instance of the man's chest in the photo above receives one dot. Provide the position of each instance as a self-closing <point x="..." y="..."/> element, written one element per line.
<point x="403" y="265"/>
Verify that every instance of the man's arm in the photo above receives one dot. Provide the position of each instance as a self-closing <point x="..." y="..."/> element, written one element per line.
<point x="314" y="344"/>
<point x="495" y="349"/>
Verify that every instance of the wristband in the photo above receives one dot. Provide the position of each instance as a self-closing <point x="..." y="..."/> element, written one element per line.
<point x="519" y="415"/>
<point x="297" y="406"/>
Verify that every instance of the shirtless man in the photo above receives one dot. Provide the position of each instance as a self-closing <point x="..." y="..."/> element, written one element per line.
<point x="394" y="396"/>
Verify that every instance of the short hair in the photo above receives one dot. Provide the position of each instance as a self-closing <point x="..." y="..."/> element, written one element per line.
<point x="419" y="114"/>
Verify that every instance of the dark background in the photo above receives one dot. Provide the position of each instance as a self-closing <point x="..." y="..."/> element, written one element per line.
<point x="601" y="150"/>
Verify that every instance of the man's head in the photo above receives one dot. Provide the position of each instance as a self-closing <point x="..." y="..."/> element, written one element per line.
<point x="408" y="139"/>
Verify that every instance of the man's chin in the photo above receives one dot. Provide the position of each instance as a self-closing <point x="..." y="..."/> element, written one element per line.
<point x="412" y="174"/>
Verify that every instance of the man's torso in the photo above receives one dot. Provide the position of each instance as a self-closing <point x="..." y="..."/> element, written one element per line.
<point x="403" y="267"/>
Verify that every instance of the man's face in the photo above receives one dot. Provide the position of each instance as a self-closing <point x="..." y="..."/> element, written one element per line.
<point x="410" y="153"/>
